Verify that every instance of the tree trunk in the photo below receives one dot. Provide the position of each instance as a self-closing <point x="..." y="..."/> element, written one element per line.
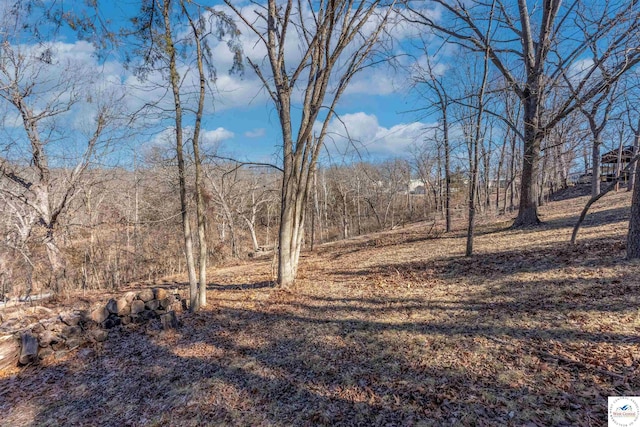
<point x="447" y="185"/>
<point x="199" y="184"/>
<point x="473" y="186"/>
<point x="503" y="150"/>
<point x="186" y="226"/>
<point x="290" y="237"/>
<point x="252" y="231"/>
<point x="56" y="262"/>
<point x="345" y="221"/>
<point x="295" y="189"/>
<point x="633" y="169"/>
<point x="474" y="158"/>
<point x="595" y="161"/>
<point x="528" y="209"/>
<point x="633" y="238"/>
<point x="512" y="177"/>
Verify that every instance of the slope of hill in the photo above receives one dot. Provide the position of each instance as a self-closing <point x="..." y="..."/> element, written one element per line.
<point x="396" y="328"/>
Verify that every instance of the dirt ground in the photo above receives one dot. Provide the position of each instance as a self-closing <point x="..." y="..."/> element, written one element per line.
<point x="396" y="328"/>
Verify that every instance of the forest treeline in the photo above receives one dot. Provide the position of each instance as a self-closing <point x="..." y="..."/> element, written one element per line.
<point x="521" y="100"/>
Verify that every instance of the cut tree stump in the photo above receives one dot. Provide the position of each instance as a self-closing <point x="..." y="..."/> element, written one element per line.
<point x="169" y="320"/>
<point x="29" y="349"/>
<point x="9" y="351"/>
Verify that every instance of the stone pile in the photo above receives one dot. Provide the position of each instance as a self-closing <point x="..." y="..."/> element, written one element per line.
<point x="138" y="308"/>
<point x="69" y="330"/>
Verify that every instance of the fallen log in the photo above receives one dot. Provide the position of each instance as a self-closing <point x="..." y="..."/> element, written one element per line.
<point x="9" y="351"/>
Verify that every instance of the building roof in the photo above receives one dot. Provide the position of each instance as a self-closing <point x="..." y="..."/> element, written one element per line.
<point x="612" y="156"/>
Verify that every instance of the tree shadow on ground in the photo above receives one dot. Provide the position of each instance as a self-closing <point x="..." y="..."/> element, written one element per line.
<point x="593" y="219"/>
<point x="538" y="259"/>
<point x="241" y="286"/>
<point x="301" y="366"/>
<point x="572" y="192"/>
<point x="470" y="355"/>
<point x="549" y="299"/>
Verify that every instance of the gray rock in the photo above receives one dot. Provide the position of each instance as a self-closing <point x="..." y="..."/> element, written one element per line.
<point x="129" y="296"/>
<point x="112" y="322"/>
<point x="74" y="342"/>
<point x="47" y="338"/>
<point x="154" y="304"/>
<point x="99" y="335"/>
<point x="70" y="318"/>
<point x="160" y="293"/>
<point x="58" y="345"/>
<point x="71" y="331"/>
<point x="146" y="295"/>
<point x="148" y="315"/>
<point x="112" y="306"/>
<point x="123" y="307"/>
<point x="45" y="352"/>
<point x="100" y="314"/>
<point x="137" y="307"/>
<point x="38" y="329"/>
<point x="167" y="301"/>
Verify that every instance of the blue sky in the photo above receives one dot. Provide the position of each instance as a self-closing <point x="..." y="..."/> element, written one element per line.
<point x="242" y="121"/>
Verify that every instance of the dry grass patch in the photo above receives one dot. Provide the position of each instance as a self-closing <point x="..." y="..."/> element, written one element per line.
<point x="389" y="329"/>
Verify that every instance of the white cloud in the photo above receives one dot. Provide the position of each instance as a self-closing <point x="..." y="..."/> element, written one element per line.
<point x="166" y="137"/>
<point x="217" y="135"/>
<point x="255" y="133"/>
<point x="363" y="132"/>
<point x="377" y="80"/>
<point x="579" y="69"/>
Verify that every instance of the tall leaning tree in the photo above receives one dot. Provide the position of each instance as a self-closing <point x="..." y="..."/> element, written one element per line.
<point x="540" y="46"/>
<point x="313" y="50"/>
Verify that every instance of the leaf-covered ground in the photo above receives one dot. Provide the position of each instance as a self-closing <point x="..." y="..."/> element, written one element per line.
<point x="390" y="329"/>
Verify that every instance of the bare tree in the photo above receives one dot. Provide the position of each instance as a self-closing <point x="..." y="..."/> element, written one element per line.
<point x="436" y="84"/>
<point x="158" y="27"/>
<point x="475" y="135"/>
<point x="597" y="115"/>
<point x="334" y="46"/>
<point x="44" y="90"/>
<point x="258" y="191"/>
<point x="538" y="50"/>
<point x="633" y="122"/>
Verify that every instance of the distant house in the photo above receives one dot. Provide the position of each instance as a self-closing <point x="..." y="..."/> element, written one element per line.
<point x="416" y="186"/>
<point x="609" y="166"/>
